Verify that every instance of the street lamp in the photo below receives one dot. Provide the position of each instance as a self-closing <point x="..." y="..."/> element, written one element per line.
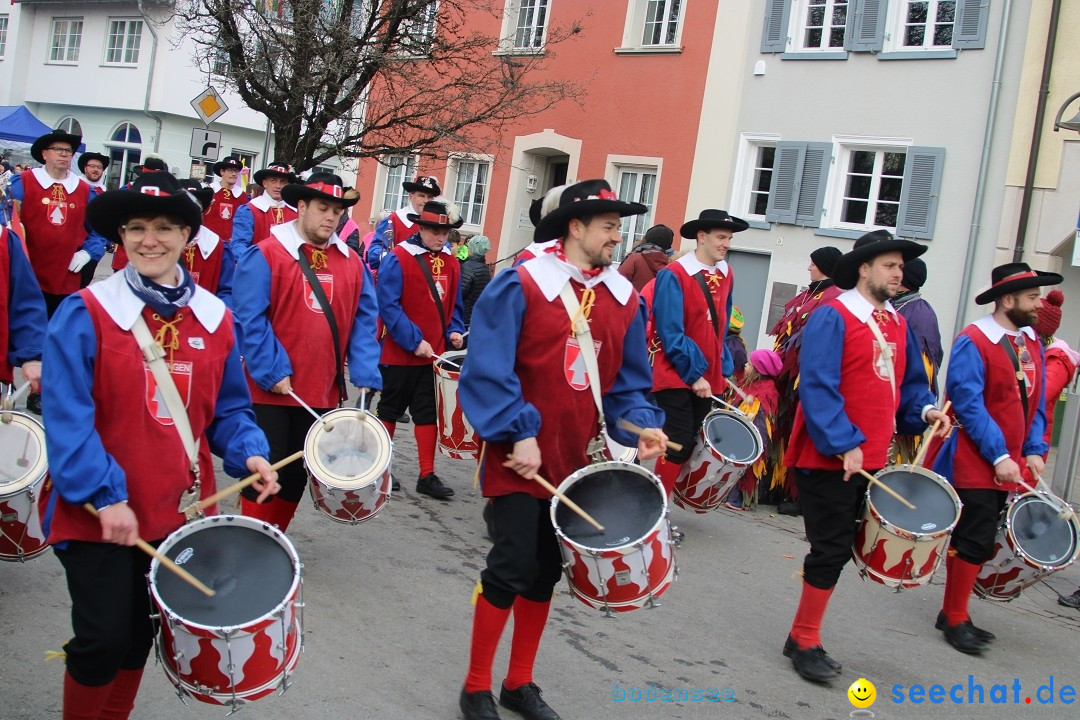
<point x="1073" y="124"/>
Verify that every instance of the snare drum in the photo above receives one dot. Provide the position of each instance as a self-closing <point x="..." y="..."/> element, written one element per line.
<point x="631" y="563"/>
<point x="895" y="545"/>
<point x="348" y="456"/>
<point x="457" y="439"/>
<point x="244" y="642"/>
<point x="620" y="452"/>
<point x="1032" y="542"/>
<point x="23" y="467"/>
<point x="727" y="445"/>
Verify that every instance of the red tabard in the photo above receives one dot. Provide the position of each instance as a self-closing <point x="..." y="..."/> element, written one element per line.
<point x="1001" y="396"/>
<point x="128" y="406"/>
<point x="266" y="219"/>
<point x="206" y="272"/>
<point x="219" y="216"/>
<point x="697" y="325"/>
<point x="419" y="306"/>
<point x="299" y="324"/>
<point x="869" y="402"/>
<point x="6" y="371"/>
<point x="401" y="232"/>
<point x="552" y="373"/>
<point x="54" y="222"/>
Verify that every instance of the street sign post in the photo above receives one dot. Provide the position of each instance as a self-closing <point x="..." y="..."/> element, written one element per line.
<point x="205" y="144"/>
<point x="209" y="105"/>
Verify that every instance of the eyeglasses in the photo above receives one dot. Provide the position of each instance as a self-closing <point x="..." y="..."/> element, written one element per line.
<point x="62" y="150"/>
<point x="1021" y="344"/>
<point x="137" y="231"/>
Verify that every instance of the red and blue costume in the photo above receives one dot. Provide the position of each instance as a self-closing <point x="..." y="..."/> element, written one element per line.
<point x="22" y="308"/>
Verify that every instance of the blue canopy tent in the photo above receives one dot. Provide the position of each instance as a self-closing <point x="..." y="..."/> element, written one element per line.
<point x="19" y="129"/>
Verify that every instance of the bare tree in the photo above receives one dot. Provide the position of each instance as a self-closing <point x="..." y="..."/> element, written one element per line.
<point x="360" y="78"/>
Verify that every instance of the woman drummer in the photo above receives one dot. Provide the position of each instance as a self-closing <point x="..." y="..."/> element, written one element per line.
<point x="111" y="439"/>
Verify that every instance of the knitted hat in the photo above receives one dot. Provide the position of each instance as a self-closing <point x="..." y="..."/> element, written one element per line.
<point x="736" y="321"/>
<point x="825" y="258"/>
<point x="660" y="236"/>
<point x="914" y="274"/>
<point x="478" y="245"/>
<point x="1050" y="313"/>
<point x="767" y="362"/>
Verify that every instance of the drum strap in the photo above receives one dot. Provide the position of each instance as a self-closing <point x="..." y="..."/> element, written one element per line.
<point x="886" y="353"/>
<point x="328" y="313"/>
<point x="704" y="285"/>
<point x="1021" y="379"/>
<point x="580" y="326"/>
<point x="422" y="262"/>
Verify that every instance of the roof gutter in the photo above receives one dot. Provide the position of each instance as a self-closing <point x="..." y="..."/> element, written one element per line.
<point x="150" y="76"/>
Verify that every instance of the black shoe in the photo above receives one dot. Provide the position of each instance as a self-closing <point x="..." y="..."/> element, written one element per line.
<point x="394" y="484"/>
<point x="432" y="486"/>
<point x="788" y="507"/>
<point x="33" y="403"/>
<point x="790" y="647"/>
<point x="984" y="635"/>
<point x="527" y="700"/>
<point x="478" y="706"/>
<point x="1072" y="601"/>
<point x="813" y="664"/>
<point x="962" y="637"/>
<point x="488" y="521"/>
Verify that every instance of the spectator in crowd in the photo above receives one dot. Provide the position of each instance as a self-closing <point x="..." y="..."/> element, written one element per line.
<point x="650" y="256"/>
<point x="475" y="274"/>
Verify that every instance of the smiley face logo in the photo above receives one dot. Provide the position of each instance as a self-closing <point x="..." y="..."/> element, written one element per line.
<point x="862" y="693"/>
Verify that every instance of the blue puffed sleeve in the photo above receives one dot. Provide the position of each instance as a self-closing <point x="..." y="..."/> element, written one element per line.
<point x="626" y="398"/>
<point x="27" y="319"/>
<point x="264" y="355"/>
<point x="727" y="364"/>
<point x="915" y="395"/>
<point x="233" y="434"/>
<point x="228" y="271"/>
<point x="964" y="384"/>
<point x="684" y="354"/>
<point x="1034" y="443"/>
<point x="94" y="244"/>
<point x="819" y="384"/>
<point x="402" y="330"/>
<point x="378" y="245"/>
<point x="243" y="227"/>
<point x="457" y="318"/>
<point x="489" y="391"/>
<point x="15" y="187"/>
<point x="364" y="351"/>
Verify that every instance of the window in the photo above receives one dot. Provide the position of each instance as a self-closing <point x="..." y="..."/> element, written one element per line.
<point x="416" y="34"/>
<point x="635" y="184"/>
<point x="399" y="168"/>
<point x="220" y="62"/>
<point x="821" y="24"/>
<point x="70" y="125"/>
<point x="928" y="24"/>
<point x="760" y="181"/>
<point x="126" y="133"/>
<point x="661" y="22"/>
<point x="470" y="189"/>
<point x="66" y="38"/>
<point x="124" y="153"/>
<point x="123" y="43"/>
<point x="871" y="189"/>
<point x="753" y="173"/>
<point x="3" y="34"/>
<point x="531" y="25"/>
<point x="248" y="159"/>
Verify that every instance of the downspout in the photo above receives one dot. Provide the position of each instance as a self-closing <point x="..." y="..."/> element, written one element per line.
<point x="1036" y="133"/>
<point x="984" y="168"/>
<point x="150" y="76"/>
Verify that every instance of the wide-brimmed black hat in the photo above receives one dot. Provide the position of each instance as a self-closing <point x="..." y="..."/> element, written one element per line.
<point x="320" y="186"/>
<point x="877" y="242"/>
<point x="711" y="220"/>
<point x="88" y="156"/>
<point x="1014" y="277"/>
<point x="583" y="199"/>
<point x="153" y="193"/>
<point x="151" y="164"/>
<point x="229" y="163"/>
<point x="438" y="213"/>
<point x="424" y="184"/>
<point x="54" y="136"/>
<point x="278" y="168"/>
<point x="202" y="193"/>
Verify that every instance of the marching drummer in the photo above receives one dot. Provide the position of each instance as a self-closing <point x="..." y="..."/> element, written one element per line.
<point x="22" y="314"/>
<point x="531" y="400"/>
<point x="691" y="307"/>
<point x="398" y="227"/>
<point x="113" y="439"/>
<point x="306" y="304"/>
<point x="996" y="382"/>
<point x="865" y="370"/>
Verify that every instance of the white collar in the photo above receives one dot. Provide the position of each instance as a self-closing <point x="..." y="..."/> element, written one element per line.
<point x="264" y="203"/>
<point x="290" y="239"/>
<point x="99" y="184"/>
<point x="414" y="249"/>
<point x="551" y="274"/>
<point x="540" y="248"/>
<point x="402" y="216"/>
<point x="236" y="190"/>
<point x="70" y="183"/>
<point x="124" y="306"/>
<point x="860" y="307"/>
<point x="207" y="240"/>
<point x="693" y="266"/>
<point x="993" y="331"/>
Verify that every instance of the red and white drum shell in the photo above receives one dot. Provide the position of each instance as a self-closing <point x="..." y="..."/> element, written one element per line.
<point x="632" y="563"/>
<point x="1032" y="543"/>
<point x="727" y="445"/>
<point x="243" y="643"/>
<point x="23" y="470"/>
<point x="895" y="545"/>
<point x="348" y="454"/>
<point x="457" y="438"/>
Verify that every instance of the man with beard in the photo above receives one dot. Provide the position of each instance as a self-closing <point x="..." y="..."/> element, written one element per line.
<point x="92" y="165"/>
<point x="996" y="383"/>
<point x="866" y="379"/>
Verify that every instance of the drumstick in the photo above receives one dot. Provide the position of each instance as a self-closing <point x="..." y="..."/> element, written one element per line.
<point x="447" y="361"/>
<point x="728" y="405"/>
<point x="642" y="432"/>
<point x="738" y="391"/>
<point x="304" y="405"/>
<point x="1063" y="508"/>
<point x="165" y="562"/>
<point x="884" y="487"/>
<point x="193" y="510"/>
<point x="568" y="502"/>
<point x="921" y="455"/>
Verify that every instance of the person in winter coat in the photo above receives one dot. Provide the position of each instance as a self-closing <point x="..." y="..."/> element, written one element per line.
<point x="648" y="258"/>
<point x="475" y="274"/>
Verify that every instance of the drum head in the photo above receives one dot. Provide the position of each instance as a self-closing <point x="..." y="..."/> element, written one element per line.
<point x="22" y="453"/>
<point x="935" y="507"/>
<point x="350" y="448"/>
<point x="1040" y="533"/>
<point x="733" y="437"/>
<point x="250" y="571"/>
<point x="626" y="502"/>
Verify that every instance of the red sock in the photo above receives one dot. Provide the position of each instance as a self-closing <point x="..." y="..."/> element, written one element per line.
<point x="529" y="620"/>
<point x="121" y="700"/>
<point x="390" y="427"/>
<point x="488" y="624"/>
<point x="669" y="473"/>
<point x="806" y="627"/>
<point x="425" y="447"/>
<point x="959" y="581"/>
<point x="83" y="702"/>
<point x="274" y="511"/>
<point x="252" y="509"/>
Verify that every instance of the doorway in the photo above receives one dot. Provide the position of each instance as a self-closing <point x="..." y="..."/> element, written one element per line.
<point x="751" y="278"/>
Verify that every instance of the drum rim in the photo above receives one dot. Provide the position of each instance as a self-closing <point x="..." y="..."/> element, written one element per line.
<point x="592" y="469"/>
<point x="925" y="472"/>
<point x="744" y="420"/>
<point x="193" y="527"/>
<point x="441" y="367"/>
<point x="1024" y="554"/>
<point x="322" y="474"/>
<point x="35" y="473"/>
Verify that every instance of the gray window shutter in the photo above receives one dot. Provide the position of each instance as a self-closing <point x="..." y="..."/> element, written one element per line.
<point x="919" y="198"/>
<point x="969" y="32"/>
<point x="786" y="179"/>
<point x="865" y="31"/>
<point x="815" y="176"/>
<point x="775" y="32"/>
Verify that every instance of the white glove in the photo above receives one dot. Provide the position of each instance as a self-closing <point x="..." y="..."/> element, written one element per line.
<point x="78" y="260"/>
